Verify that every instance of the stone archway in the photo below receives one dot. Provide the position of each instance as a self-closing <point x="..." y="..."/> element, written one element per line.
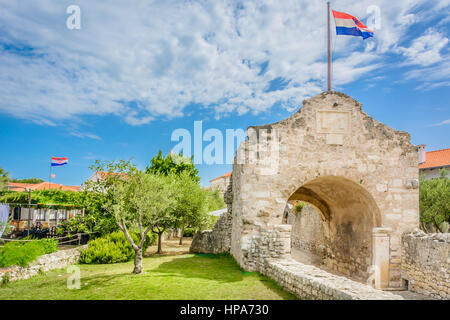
<point x="343" y="236"/>
<point x="359" y="173"/>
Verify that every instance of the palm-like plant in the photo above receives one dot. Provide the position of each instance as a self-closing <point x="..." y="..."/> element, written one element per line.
<point x="4" y="178"/>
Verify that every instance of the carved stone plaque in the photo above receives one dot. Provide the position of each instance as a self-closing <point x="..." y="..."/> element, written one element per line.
<point x="330" y="121"/>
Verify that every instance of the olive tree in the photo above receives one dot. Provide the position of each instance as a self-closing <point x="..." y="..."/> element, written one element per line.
<point x="191" y="204"/>
<point x="435" y="203"/>
<point x="143" y="202"/>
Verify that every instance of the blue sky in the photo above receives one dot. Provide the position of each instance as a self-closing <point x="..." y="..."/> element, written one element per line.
<point x="119" y="86"/>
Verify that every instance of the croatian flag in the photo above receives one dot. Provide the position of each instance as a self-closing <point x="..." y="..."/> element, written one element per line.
<point x="58" y="161"/>
<point x="350" y="26"/>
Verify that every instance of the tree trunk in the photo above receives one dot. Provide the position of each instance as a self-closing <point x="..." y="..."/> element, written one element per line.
<point x="159" y="242"/>
<point x="181" y="236"/>
<point x="138" y="261"/>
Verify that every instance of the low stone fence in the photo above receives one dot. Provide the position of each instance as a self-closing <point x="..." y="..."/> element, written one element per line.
<point x="311" y="283"/>
<point x="214" y="241"/>
<point x="270" y="242"/>
<point x="56" y="260"/>
<point x="426" y="263"/>
<point x="217" y="240"/>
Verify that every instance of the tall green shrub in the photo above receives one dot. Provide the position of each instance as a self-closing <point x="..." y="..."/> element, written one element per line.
<point x="112" y="248"/>
<point x="21" y="253"/>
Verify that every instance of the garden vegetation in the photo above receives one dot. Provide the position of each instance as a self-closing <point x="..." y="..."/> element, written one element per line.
<point x="21" y="253"/>
<point x="112" y="248"/>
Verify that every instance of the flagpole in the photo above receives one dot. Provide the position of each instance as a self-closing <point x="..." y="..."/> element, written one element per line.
<point x="329" y="47"/>
<point x="50" y="176"/>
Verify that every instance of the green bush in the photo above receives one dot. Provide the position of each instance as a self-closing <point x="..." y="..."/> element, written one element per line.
<point x="49" y="245"/>
<point x="102" y="250"/>
<point x="299" y="207"/>
<point x="188" y="232"/>
<point x="435" y="203"/>
<point x="112" y="248"/>
<point x="21" y="253"/>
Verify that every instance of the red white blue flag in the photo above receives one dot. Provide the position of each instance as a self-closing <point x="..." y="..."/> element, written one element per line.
<point x="59" y="161"/>
<point x="350" y="26"/>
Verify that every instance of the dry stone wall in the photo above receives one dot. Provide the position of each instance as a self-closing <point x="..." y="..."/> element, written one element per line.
<point x="311" y="283"/>
<point x="270" y="242"/>
<point x="217" y="240"/>
<point x="426" y="263"/>
<point x="44" y="263"/>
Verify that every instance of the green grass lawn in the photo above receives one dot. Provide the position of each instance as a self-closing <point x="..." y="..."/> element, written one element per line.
<point x="165" y="277"/>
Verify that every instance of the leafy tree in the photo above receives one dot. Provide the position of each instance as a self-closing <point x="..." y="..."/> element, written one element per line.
<point x="174" y="164"/>
<point x="4" y="178"/>
<point x="143" y="202"/>
<point x="214" y="200"/>
<point x="191" y="204"/>
<point x="435" y="203"/>
<point x="29" y="180"/>
<point x="96" y="218"/>
<point x="96" y="197"/>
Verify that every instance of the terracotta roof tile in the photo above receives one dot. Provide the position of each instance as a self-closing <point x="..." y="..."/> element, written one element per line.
<point x="14" y="186"/>
<point x="435" y="159"/>
<point x="104" y="174"/>
<point x="226" y="175"/>
<point x="18" y="186"/>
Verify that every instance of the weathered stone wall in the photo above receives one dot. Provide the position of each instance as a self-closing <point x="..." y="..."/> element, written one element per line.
<point x="214" y="241"/>
<point x="361" y="174"/>
<point x="270" y="242"/>
<point x="426" y="263"/>
<point x="55" y="260"/>
<point x="309" y="235"/>
<point x="220" y="184"/>
<point x="217" y="240"/>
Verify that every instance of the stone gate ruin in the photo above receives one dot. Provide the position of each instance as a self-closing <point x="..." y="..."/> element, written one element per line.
<point x="357" y="175"/>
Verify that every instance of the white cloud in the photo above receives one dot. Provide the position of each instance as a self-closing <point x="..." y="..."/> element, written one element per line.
<point x="426" y="50"/>
<point x="83" y="135"/>
<point x="443" y="123"/>
<point x="142" y="60"/>
<point x="431" y="77"/>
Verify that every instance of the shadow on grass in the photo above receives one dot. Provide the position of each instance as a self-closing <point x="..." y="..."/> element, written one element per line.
<point x="273" y="286"/>
<point x="101" y="280"/>
<point x="220" y="268"/>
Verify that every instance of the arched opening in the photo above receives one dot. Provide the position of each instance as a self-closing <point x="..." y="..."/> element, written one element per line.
<point x="333" y="218"/>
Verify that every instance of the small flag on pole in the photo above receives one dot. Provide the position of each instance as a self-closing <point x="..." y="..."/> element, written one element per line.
<point x="350" y="26"/>
<point x="59" y="161"/>
<point x="53" y="175"/>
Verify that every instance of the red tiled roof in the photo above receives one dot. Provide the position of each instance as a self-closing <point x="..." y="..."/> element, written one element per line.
<point x="226" y="175"/>
<point x="435" y="159"/>
<point x="104" y="174"/>
<point x="17" y="186"/>
<point x="14" y="186"/>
